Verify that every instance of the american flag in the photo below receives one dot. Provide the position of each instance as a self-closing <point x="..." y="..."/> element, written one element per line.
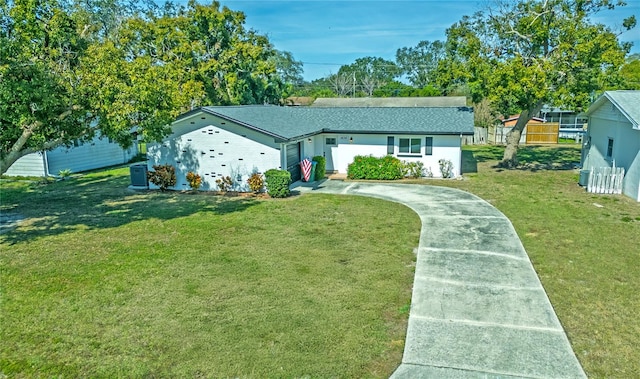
<point x="306" y="169"/>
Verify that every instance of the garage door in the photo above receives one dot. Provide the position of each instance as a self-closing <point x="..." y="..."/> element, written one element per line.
<point x="293" y="161"/>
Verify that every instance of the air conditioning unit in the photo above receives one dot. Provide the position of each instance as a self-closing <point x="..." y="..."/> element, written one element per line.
<point x="139" y="175"/>
<point x="583" y="179"/>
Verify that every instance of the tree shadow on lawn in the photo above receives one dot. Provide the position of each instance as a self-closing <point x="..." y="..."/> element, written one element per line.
<point x="531" y="158"/>
<point x="102" y="201"/>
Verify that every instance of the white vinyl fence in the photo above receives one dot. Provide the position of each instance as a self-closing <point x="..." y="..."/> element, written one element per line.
<point x="606" y="180"/>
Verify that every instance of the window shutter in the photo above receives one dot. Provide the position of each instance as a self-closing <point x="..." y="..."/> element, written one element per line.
<point x="428" y="146"/>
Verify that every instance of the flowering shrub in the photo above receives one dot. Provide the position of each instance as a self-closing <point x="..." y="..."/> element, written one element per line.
<point x="164" y="176"/>
<point x="413" y="170"/>
<point x="446" y="168"/>
<point x="225" y="184"/>
<point x="256" y="182"/>
<point x="194" y="180"/>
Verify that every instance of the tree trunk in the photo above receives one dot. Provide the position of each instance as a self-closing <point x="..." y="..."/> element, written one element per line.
<point x="18" y="149"/>
<point x="510" y="157"/>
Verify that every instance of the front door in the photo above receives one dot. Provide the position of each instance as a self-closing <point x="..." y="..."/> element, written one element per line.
<point x="330" y="149"/>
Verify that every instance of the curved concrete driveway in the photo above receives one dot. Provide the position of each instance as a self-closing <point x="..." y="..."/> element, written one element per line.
<point x="478" y="309"/>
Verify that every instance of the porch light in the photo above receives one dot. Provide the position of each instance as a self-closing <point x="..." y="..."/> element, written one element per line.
<point x="350" y="139"/>
<point x="309" y="140"/>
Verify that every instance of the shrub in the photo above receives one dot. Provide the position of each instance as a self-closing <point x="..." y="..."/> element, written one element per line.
<point x="413" y="170"/>
<point x="194" y="180"/>
<point x="256" y="182"/>
<point x="64" y="174"/>
<point x="446" y="168"/>
<point x="321" y="166"/>
<point x="278" y="182"/>
<point x="428" y="173"/>
<point x="370" y="167"/>
<point x="224" y="184"/>
<point x="164" y="176"/>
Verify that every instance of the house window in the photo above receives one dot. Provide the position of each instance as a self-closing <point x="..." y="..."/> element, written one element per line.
<point x="390" y="143"/>
<point x="330" y="141"/>
<point x="610" y="148"/>
<point x="409" y="145"/>
<point x="428" y="146"/>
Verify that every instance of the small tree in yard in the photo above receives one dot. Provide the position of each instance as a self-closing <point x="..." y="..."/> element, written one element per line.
<point x="164" y="176"/>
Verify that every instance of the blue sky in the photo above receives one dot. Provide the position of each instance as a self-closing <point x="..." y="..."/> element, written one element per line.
<point x="328" y="34"/>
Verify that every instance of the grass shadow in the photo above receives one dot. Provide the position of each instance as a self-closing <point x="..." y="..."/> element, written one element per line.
<point x="531" y="157"/>
<point x="557" y="157"/>
<point x="99" y="201"/>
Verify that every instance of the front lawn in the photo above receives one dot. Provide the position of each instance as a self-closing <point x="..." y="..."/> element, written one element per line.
<point x="99" y="281"/>
<point x="102" y="282"/>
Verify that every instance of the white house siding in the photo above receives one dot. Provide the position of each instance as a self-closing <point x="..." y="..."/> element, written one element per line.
<point x="88" y="156"/>
<point x="212" y="149"/>
<point x="607" y="122"/>
<point x="444" y="147"/>
<point x="97" y="153"/>
<point x="29" y="165"/>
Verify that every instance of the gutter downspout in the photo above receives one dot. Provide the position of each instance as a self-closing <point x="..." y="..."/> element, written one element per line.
<point x="45" y="163"/>
<point x="460" y="170"/>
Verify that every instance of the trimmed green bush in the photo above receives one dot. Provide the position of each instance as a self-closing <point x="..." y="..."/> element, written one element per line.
<point x="370" y="167"/>
<point x="278" y="182"/>
<point x="321" y="166"/>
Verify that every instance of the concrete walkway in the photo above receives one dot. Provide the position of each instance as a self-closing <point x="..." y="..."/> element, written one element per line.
<point x="478" y="309"/>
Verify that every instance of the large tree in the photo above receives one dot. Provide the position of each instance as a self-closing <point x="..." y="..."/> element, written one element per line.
<point x="522" y="55"/>
<point x="419" y="63"/>
<point x="631" y="72"/>
<point x="76" y="70"/>
<point x="368" y="74"/>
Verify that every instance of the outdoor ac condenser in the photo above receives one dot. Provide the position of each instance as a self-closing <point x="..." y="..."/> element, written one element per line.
<point x="139" y="175"/>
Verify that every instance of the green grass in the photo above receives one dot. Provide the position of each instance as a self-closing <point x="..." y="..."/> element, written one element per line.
<point x="102" y="282"/>
<point x="585" y="255"/>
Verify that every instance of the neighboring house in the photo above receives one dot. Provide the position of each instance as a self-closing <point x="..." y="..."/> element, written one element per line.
<point x="83" y="156"/>
<point x="537" y="131"/>
<point x="511" y="121"/>
<point x="237" y="141"/>
<point x="613" y="137"/>
<point x="571" y="123"/>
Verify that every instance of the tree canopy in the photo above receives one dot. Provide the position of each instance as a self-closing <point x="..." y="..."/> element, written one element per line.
<point x="100" y="68"/>
<point x="526" y="54"/>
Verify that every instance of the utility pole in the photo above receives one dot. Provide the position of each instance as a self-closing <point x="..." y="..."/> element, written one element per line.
<point x="353" y="94"/>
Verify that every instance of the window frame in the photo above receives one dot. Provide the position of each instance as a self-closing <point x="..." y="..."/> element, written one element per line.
<point x="410" y="146"/>
<point x="610" y="145"/>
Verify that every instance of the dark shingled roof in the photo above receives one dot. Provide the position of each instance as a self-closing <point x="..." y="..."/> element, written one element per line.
<point x="289" y="123"/>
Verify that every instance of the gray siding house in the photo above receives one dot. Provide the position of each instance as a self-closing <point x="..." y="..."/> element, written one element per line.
<point x="237" y="141"/>
<point x="83" y="156"/>
<point x="613" y="137"/>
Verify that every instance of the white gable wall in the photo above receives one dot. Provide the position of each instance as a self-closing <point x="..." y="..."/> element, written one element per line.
<point x="444" y="147"/>
<point x="214" y="148"/>
<point x="607" y="122"/>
